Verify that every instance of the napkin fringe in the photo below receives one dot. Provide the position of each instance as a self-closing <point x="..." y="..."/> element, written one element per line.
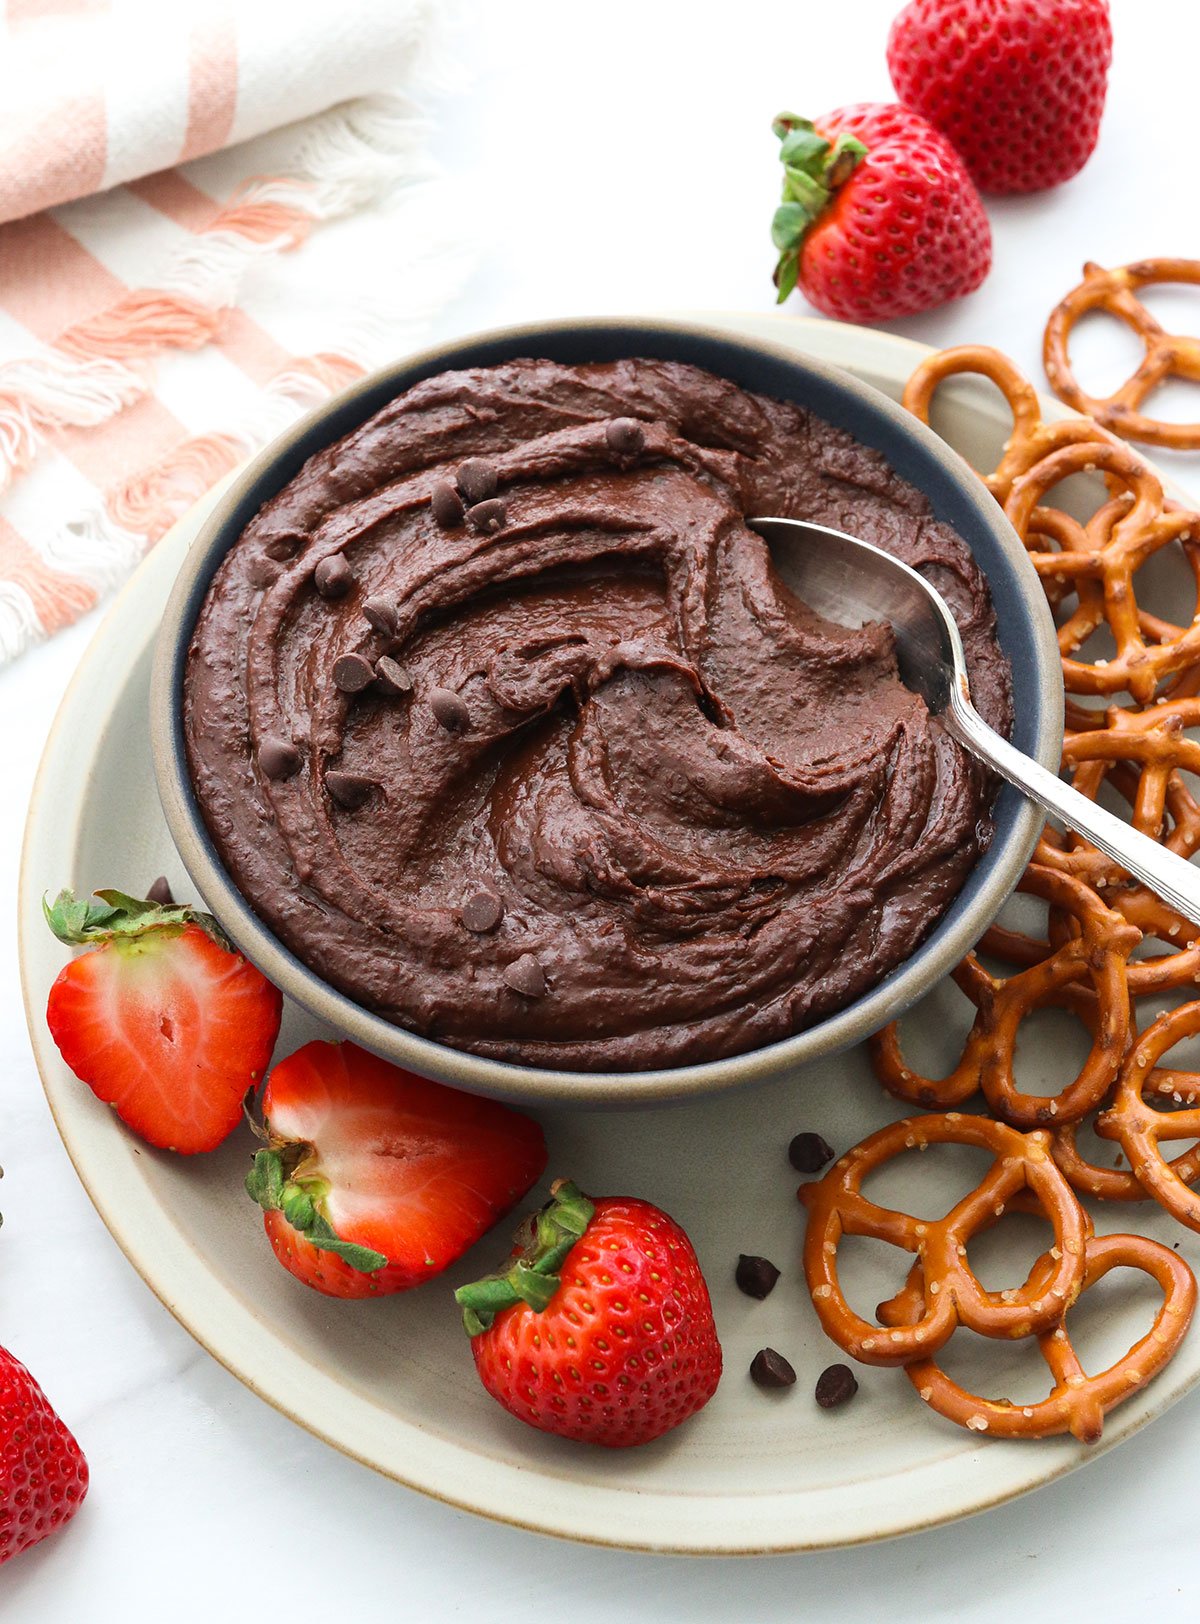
<point x="344" y="160"/>
<point x="347" y="158"/>
<point x="76" y="564"/>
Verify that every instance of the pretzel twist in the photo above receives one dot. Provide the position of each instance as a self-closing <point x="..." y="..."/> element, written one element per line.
<point x="1031" y="439"/>
<point x="1097" y="560"/>
<point x="1167" y="355"/>
<point x="1093" y="959"/>
<point x="1096" y="916"/>
<point x="951" y="1294"/>
<point x="1077" y="1402"/>
<point x="1100" y="560"/>
<point x="1140" y="1128"/>
<point x="1090" y="1178"/>
<point x="1142" y="755"/>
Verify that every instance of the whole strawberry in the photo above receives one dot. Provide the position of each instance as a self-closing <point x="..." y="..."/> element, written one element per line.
<point x="374" y="1180"/>
<point x="163" y="1020"/>
<point x="879" y="218"/>
<point x="601" y="1328"/>
<point x="1017" y="85"/>
<point x="43" y="1475"/>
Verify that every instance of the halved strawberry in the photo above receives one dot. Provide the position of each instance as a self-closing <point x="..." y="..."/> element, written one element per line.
<point x="375" y="1179"/>
<point x="163" y="1020"/>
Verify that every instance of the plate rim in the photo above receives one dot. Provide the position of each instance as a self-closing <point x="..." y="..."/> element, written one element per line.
<point x="1058" y="1457"/>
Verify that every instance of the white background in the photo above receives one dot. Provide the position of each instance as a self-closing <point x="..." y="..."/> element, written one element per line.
<point x="615" y="158"/>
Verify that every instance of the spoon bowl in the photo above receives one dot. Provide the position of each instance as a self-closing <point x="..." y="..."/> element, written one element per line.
<point x="852" y="582"/>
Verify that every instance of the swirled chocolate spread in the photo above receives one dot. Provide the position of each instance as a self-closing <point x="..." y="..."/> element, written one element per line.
<point x="505" y="723"/>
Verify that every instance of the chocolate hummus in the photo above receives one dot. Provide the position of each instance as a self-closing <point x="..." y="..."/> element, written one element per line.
<point x="502" y="720"/>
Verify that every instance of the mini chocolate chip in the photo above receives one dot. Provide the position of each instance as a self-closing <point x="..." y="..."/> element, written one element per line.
<point x="333" y="577"/>
<point x="488" y="517"/>
<point x="625" y="436"/>
<point x="771" y="1369"/>
<point x="756" y="1276"/>
<point x="477" y="480"/>
<point x="835" y="1386"/>
<point x="449" y="710"/>
<point x="352" y="673"/>
<point x="526" y="976"/>
<point x="808" y="1153"/>
<point x="278" y="758"/>
<point x="482" y="912"/>
<point x="283" y="548"/>
<point x="262" y="573"/>
<point x="394" y="678"/>
<point x="446" y="505"/>
<point x="160" y="892"/>
<point x="350" y="790"/>
<point x="381" y="614"/>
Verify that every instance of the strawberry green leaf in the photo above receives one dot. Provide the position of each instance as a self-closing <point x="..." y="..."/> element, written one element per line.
<point x="791" y="221"/>
<point x="568" y="1213"/>
<point x="112" y="915"/>
<point x="813" y="170"/>
<point x="531" y="1287"/>
<point x="267" y="1184"/>
<point x="801" y="189"/>
<point x="848" y="152"/>
<point x="784" y="123"/>
<point x="534" y="1278"/>
<point x="804" y="149"/>
<point x="73" y="919"/>
<point x="787" y="274"/>
<point x="264" y="1181"/>
<point x="321" y="1234"/>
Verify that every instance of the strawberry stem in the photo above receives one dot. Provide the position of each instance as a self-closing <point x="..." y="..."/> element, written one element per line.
<point x="271" y="1182"/>
<point x="813" y="170"/>
<point x="534" y="1277"/>
<point x="110" y="916"/>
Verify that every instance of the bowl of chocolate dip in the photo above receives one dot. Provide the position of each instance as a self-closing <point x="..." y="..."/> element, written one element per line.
<point x="490" y="732"/>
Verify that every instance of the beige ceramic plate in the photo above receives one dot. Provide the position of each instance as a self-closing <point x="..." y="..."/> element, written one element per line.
<point x="391" y="1382"/>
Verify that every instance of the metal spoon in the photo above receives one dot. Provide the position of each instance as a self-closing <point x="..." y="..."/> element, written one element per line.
<point x="851" y="582"/>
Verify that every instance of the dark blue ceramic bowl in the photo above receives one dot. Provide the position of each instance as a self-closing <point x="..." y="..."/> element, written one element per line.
<point x="958" y="497"/>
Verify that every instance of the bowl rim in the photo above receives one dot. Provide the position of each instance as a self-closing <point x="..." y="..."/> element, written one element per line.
<point x="950" y="940"/>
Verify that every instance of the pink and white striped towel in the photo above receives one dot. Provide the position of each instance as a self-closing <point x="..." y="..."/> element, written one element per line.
<point x="160" y="326"/>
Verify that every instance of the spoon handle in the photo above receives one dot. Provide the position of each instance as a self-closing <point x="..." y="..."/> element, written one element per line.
<point x="1170" y="877"/>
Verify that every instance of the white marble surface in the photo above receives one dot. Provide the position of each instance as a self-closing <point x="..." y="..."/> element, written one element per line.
<point x="616" y="159"/>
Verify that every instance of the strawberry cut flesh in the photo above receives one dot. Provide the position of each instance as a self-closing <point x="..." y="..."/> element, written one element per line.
<point x="168" y="1028"/>
<point x="406" y="1167"/>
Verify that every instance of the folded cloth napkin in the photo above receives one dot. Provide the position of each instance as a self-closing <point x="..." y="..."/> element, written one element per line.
<point x="158" y="328"/>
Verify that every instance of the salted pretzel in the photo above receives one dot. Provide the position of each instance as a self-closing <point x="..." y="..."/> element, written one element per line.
<point x="1096" y="560"/>
<point x="1093" y="960"/>
<point x="1052" y="530"/>
<point x="1139" y="1127"/>
<point x="1142" y="755"/>
<point x="1077" y="1402"/>
<point x="1100" y="561"/>
<point x="1094" y="1180"/>
<point x="951" y="1294"/>
<point x="1031" y="439"/>
<point x="1155" y="742"/>
<point x="1166" y="354"/>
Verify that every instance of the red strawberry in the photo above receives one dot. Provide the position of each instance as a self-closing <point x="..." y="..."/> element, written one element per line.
<point x="43" y="1475"/>
<point x="1017" y="85"/>
<point x="879" y="218"/>
<point x="163" y="1020"/>
<point x="601" y="1330"/>
<point x="376" y="1179"/>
